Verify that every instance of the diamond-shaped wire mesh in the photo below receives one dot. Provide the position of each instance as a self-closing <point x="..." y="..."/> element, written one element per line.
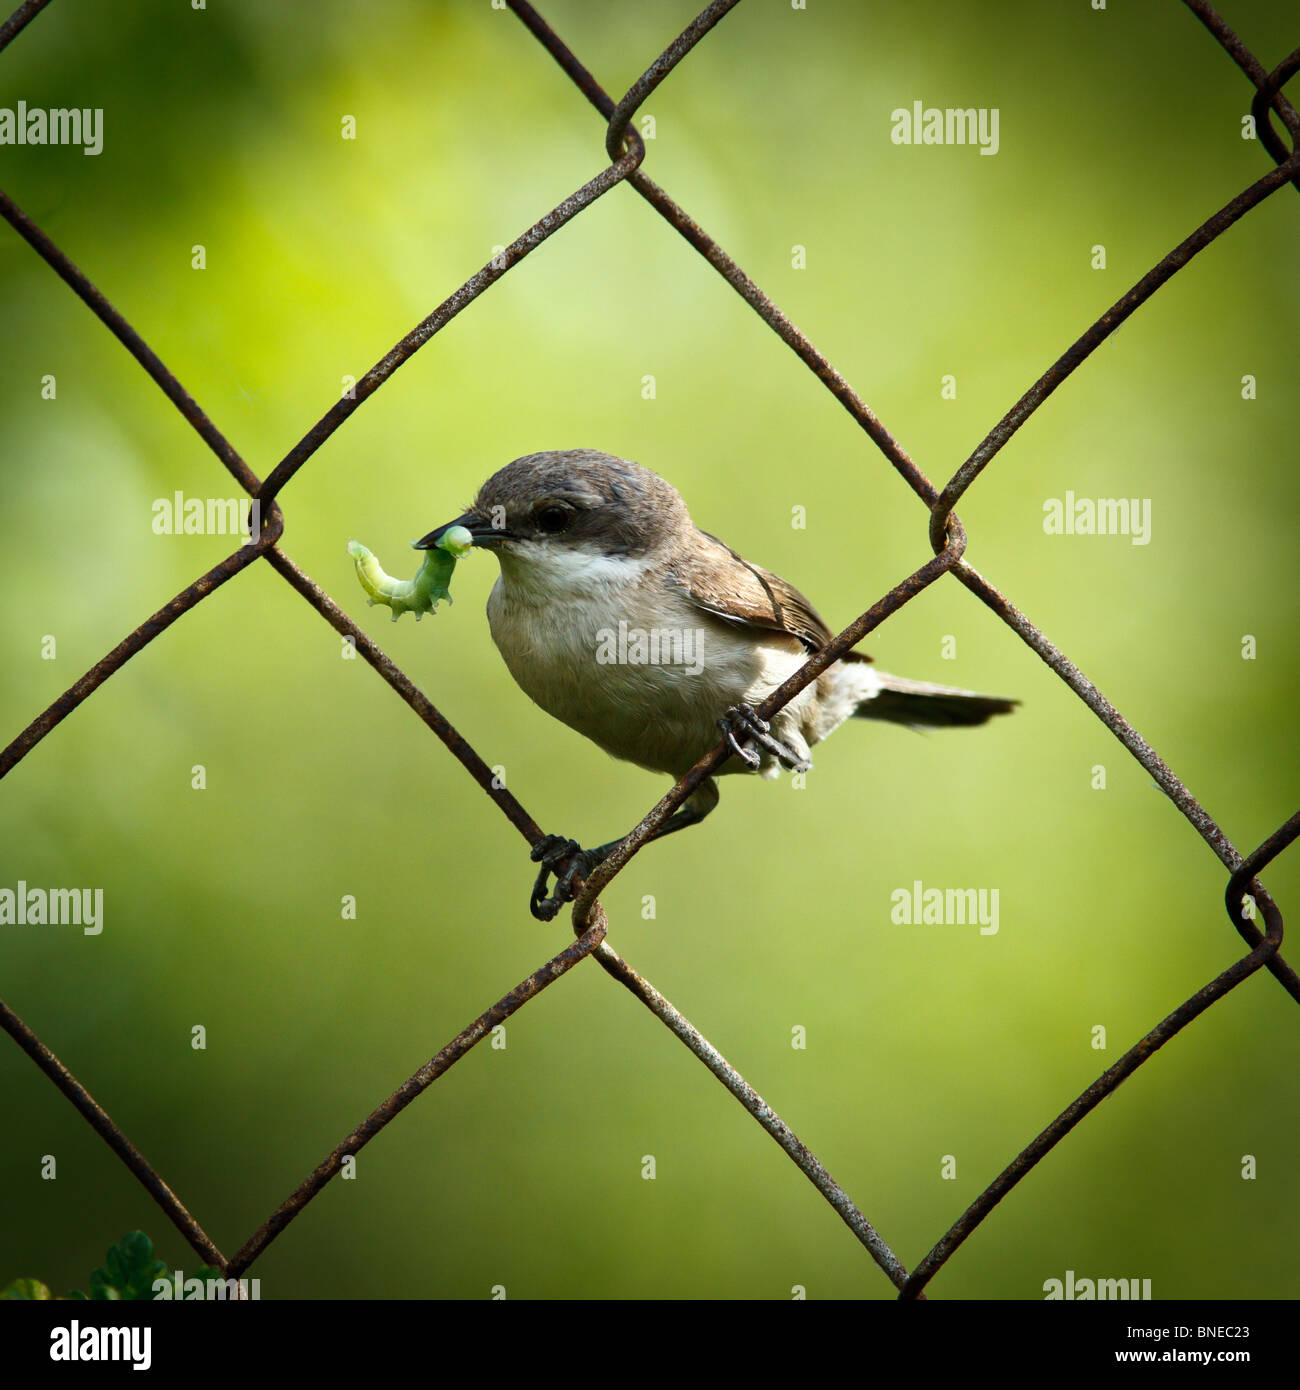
<point x="947" y="540"/>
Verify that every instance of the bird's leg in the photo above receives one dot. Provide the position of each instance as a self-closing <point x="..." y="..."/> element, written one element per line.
<point x="743" y="721"/>
<point x="553" y="850"/>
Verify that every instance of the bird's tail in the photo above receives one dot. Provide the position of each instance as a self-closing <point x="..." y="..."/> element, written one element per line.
<point x="927" y="706"/>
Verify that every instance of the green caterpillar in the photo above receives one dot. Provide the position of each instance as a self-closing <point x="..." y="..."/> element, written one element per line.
<point x="421" y="594"/>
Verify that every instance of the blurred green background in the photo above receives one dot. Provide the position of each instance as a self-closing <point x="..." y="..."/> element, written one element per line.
<point x="522" y="1167"/>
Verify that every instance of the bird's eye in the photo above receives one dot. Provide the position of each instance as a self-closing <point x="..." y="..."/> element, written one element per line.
<point x="554" y="518"/>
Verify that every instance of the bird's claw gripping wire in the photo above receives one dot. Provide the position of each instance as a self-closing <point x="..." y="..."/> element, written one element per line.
<point x="744" y="728"/>
<point x="551" y="851"/>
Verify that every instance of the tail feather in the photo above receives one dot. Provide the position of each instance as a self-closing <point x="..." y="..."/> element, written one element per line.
<point x="924" y="705"/>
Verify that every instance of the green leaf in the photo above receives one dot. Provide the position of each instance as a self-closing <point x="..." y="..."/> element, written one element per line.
<point x="26" y="1291"/>
<point x="131" y="1270"/>
<point x="128" y="1273"/>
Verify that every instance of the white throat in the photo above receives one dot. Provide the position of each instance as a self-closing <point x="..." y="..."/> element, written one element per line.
<point x="542" y="573"/>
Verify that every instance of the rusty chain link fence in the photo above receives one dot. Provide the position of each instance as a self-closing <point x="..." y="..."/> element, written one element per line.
<point x="1245" y="896"/>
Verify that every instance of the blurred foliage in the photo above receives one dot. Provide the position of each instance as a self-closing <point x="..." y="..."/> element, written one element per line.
<point x="522" y="1167"/>
<point x="128" y="1274"/>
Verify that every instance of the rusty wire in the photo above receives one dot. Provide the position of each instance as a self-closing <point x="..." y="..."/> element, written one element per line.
<point x="947" y="538"/>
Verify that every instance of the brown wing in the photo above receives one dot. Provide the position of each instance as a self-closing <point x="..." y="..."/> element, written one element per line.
<point x="720" y="582"/>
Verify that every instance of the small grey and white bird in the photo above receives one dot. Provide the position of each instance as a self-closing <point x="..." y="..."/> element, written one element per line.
<point x="616" y="614"/>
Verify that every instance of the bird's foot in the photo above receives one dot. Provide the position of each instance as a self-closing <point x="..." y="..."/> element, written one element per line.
<point x="551" y="852"/>
<point x="744" y="728"/>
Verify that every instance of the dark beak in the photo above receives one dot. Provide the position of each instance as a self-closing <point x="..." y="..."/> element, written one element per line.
<point x="483" y="532"/>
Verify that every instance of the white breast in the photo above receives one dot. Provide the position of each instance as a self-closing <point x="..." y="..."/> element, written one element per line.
<point x="567" y="623"/>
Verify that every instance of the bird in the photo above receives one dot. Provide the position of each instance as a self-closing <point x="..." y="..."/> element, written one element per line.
<point x="621" y="618"/>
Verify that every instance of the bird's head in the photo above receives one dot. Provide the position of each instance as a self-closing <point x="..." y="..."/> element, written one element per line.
<point x="566" y="521"/>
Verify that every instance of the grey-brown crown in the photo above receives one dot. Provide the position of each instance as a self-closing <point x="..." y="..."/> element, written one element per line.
<point x="584" y="496"/>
